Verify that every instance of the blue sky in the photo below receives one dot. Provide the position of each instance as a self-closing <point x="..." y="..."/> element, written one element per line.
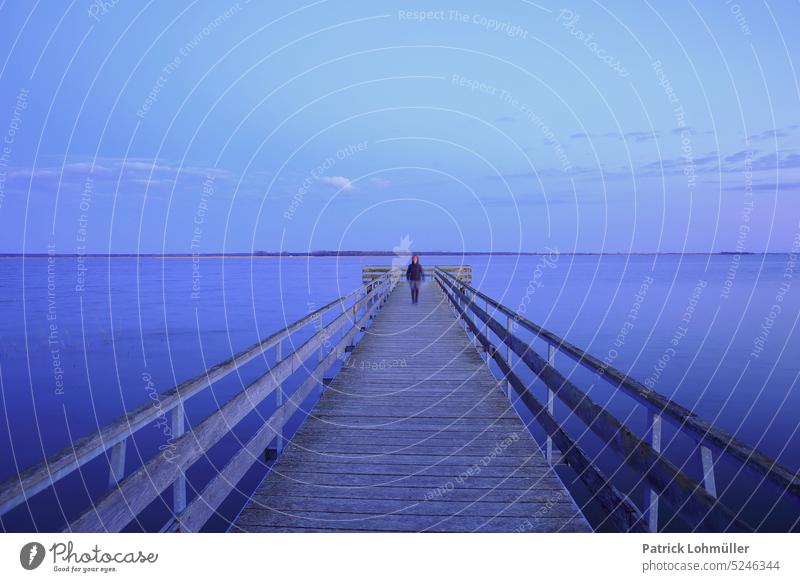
<point x="581" y="126"/>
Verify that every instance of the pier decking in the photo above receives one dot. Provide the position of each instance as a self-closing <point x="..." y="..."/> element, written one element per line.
<point x="413" y="434"/>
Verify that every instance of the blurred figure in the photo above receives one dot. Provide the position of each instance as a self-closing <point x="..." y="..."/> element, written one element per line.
<point x="415" y="275"/>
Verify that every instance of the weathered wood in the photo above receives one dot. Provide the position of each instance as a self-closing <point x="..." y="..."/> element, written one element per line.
<point x="179" y="486"/>
<point x="707" y="460"/>
<point x="117" y="463"/>
<point x="449" y="432"/>
<point x="655" y="442"/>
<point x="221" y="485"/>
<point x="551" y="491"/>
<point x="551" y="359"/>
<point x="277" y="521"/>
<point x="114" y="511"/>
<point x="701" y="510"/>
<point x="280" y="441"/>
<point x="370" y="272"/>
<point x="57" y="466"/>
<point x="783" y="480"/>
<point x="622" y="514"/>
<point x="487" y="509"/>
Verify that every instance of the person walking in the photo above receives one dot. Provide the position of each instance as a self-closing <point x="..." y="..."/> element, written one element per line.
<point x="415" y="275"/>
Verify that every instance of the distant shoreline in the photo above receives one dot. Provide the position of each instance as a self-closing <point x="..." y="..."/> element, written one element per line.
<point x="345" y="254"/>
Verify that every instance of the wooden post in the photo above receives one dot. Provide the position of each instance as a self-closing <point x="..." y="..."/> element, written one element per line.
<point x="707" y="458"/>
<point x="651" y="511"/>
<point x="117" y="466"/>
<point x="179" y="486"/>
<point x="279" y="440"/>
<point x="551" y="359"/>
<point x="509" y="354"/>
<point x="467" y="313"/>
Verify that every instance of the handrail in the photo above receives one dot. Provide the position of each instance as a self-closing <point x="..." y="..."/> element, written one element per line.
<point x="113" y="436"/>
<point x="622" y="513"/>
<point x="370" y="272"/>
<point x="780" y="477"/>
<point x="121" y="505"/>
<point x="699" y="507"/>
<point x="222" y="484"/>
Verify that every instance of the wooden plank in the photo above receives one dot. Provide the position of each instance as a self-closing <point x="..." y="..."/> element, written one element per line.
<point x="266" y="520"/>
<point x="281" y="487"/>
<point x="382" y="468"/>
<point x="357" y="505"/>
<point x="409" y="460"/>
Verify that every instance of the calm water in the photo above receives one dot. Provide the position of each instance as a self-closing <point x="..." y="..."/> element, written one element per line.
<point x="84" y="341"/>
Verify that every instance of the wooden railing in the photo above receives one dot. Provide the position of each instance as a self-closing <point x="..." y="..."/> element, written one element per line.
<point x="695" y="503"/>
<point x="461" y="272"/>
<point x="129" y="495"/>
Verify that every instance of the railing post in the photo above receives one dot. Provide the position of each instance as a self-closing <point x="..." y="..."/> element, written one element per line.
<point x="551" y="359"/>
<point x="179" y="486"/>
<point x="279" y="440"/>
<point x="117" y="466"/>
<point x="471" y="299"/>
<point x="509" y="354"/>
<point x="651" y="512"/>
<point x="707" y="458"/>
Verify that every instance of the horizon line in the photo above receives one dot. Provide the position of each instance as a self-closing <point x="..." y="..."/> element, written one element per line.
<point x="329" y="254"/>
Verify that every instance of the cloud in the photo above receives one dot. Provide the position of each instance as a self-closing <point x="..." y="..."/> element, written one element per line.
<point x="768" y="134"/>
<point x="739" y="156"/>
<point x="336" y="181"/>
<point x="113" y="168"/>
<point x="769" y="186"/>
<point x="380" y="182"/>
<point x="776" y="160"/>
<point x="108" y="176"/>
<point x="638" y="136"/>
<point x="641" y="136"/>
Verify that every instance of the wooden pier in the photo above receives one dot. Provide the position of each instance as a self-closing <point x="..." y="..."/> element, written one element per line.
<point x="417" y="429"/>
<point x="414" y="434"/>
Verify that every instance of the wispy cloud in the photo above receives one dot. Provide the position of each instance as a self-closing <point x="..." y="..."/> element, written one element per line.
<point x="118" y="167"/>
<point x="336" y="181"/>
<point x="770" y="186"/>
<point x="768" y="134"/>
<point x="777" y="160"/>
<point x="641" y="136"/>
<point x="380" y="182"/>
<point x="109" y="175"/>
<point x="637" y="136"/>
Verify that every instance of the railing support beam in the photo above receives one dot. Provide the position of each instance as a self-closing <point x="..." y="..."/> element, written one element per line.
<point x="117" y="463"/>
<point x="280" y="443"/>
<point x="651" y="510"/>
<point x="551" y="360"/>
<point x="179" y="486"/>
<point x="707" y="459"/>
<point x="509" y="353"/>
